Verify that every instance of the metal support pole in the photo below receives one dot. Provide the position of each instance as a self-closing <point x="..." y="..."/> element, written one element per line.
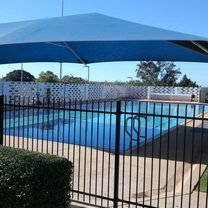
<point x="62" y="8"/>
<point x="1" y="118"/>
<point x="21" y="72"/>
<point x="88" y="72"/>
<point x="62" y="14"/>
<point x="60" y="71"/>
<point x="117" y="154"/>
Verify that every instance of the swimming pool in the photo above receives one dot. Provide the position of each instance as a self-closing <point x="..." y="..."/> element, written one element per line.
<point x="94" y="124"/>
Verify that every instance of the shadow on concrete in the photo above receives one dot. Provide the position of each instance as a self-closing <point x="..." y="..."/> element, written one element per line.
<point x="184" y="143"/>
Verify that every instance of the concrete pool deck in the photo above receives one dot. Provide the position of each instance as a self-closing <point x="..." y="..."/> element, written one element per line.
<point x="94" y="169"/>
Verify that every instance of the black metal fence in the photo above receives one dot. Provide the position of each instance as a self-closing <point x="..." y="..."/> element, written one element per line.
<point x="125" y="153"/>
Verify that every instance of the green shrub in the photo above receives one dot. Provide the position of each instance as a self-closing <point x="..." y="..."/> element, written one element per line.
<point x="33" y="180"/>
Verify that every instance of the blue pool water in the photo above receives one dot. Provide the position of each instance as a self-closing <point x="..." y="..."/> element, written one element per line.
<point x="97" y="129"/>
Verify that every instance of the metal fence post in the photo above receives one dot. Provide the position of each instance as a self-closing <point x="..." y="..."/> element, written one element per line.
<point x="117" y="154"/>
<point x="1" y="118"/>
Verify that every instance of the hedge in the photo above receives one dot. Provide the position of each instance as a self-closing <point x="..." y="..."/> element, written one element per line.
<point x="33" y="180"/>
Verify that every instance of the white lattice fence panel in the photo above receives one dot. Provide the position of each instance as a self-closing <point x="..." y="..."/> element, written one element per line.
<point x="140" y="92"/>
<point x="112" y="91"/>
<point x="163" y="90"/>
<point x="191" y="90"/>
<point x="14" y="89"/>
<point x="177" y="90"/>
<point x="19" y="89"/>
<point x="75" y="91"/>
<point x="51" y="90"/>
<point x="95" y="91"/>
<point x="60" y="91"/>
<point x="122" y="91"/>
<point x="109" y="92"/>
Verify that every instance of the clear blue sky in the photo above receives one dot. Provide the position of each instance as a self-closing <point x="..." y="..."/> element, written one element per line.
<point x="188" y="16"/>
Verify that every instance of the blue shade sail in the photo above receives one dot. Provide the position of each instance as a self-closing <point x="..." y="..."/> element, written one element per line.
<point x="91" y="38"/>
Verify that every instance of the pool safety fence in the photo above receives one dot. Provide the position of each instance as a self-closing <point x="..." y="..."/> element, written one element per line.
<point x="125" y="153"/>
<point x="60" y="91"/>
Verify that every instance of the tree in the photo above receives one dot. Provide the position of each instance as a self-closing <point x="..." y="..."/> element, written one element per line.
<point x="135" y="83"/>
<point x="71" y="79"/>
<point x="47" y="76"/>
<point x="186" y="82"/>
<point x="159" y="73"/>
<point x="16" y="76"/>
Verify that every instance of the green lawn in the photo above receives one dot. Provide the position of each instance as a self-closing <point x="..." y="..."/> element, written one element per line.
<point x="203" y="182"/>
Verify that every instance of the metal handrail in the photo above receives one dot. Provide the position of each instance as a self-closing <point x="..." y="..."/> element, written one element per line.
<point x="137" y="130"/>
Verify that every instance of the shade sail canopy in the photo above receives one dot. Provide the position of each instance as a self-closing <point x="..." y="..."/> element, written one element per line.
<point x="91" y="38"/>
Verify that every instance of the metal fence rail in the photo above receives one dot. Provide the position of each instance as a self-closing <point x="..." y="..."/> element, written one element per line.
<point x="125" y="153"/>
